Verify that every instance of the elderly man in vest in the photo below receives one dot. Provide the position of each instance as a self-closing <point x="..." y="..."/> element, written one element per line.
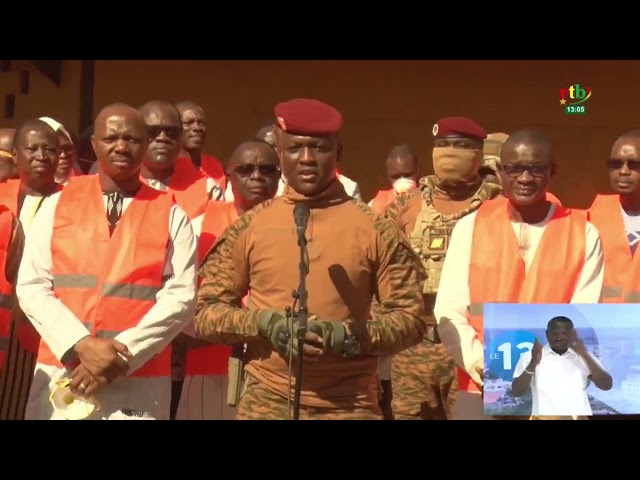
<point x="253" y="171"/>
<point x="507" y="252"/>
<point x="108" y="279"/>
<point x="423" y="377"/>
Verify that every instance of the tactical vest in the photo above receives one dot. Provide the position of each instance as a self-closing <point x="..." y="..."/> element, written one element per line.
<point x="432" y="230"/>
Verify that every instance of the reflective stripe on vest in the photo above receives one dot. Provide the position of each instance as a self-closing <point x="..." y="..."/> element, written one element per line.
<point x="114" y="283"/>
<point x="189" y="187"/>
<point x="497" y="271"/>
<point x="212" y="167"/>
<point x="28" y="336"/>
<point x="214" y="359"/>
<point x="7" y="301"/>
<point x="619" y="285"/>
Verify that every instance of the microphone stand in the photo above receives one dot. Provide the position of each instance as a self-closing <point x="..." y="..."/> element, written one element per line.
<point x="302" y="315"/>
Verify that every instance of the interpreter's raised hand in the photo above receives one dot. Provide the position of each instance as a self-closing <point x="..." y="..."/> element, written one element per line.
<point x="577" y="344"/>
<point x="536" y="352"/>
<point x="82" y="382"/>
<point x="104" y="359"/>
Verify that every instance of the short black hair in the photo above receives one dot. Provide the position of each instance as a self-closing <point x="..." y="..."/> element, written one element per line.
<point x="558" y="321"/>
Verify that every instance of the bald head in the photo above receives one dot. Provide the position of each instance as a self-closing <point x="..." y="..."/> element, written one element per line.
<point x="118" y="110"/>
<point x="194" y="127"/>
<point x="6" y="139"/>
<point x="34" y="125"/>
<point x="155" y="106"/>
<point x="120" y="140"/>
<point x="531" y="138"/>
<point x="187" y="105"/>
<point x="265" y="132"/>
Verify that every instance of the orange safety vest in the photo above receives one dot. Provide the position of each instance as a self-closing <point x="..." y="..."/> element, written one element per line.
<point x="110" y="283"/>
<point x="188" y="185"/>
<point x="497" y="271"/>
<point x="214" y="359"/>
<point x="553" y="199"/>
<point x="620" y="283"/>
<point x="7" y="301"/>
<point x="28" y="336"/>
<point x="382" y="199"/>
<point x="212" y="167"/>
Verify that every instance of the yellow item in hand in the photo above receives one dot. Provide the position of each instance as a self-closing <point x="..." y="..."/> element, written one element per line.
<point x="74" y="407"/>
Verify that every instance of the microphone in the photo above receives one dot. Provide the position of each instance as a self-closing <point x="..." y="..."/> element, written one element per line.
<point x="301" y="214"/>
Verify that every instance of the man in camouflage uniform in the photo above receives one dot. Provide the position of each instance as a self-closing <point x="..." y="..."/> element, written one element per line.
<point x="492" y="147"/>
<point x="424" y="377"/>
<point x="353" y="254"/>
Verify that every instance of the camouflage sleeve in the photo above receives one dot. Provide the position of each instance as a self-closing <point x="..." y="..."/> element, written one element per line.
<point x="396" y="210"/>
<point x="219" y="315"/>
<point x="399" y="322"/>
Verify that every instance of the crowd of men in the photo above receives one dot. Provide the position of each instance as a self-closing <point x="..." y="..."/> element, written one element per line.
<point x="145" y="279"/>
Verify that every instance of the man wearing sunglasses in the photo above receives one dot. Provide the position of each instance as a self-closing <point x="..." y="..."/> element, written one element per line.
<point x="519" y="248"/>
<point x="617" y="217"/>
<point x="163" y="168"/>
<point x="352" y="255"/>
<point x="253" y="172"/>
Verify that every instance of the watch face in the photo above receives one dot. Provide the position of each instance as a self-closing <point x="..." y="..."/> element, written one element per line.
<point x="351" y="346"/>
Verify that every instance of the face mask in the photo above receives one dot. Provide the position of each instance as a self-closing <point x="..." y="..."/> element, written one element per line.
<point x="403" y="184"/>
<point x="456" y="165"/>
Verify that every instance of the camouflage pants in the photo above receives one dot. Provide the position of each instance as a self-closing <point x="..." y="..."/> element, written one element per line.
<point x="424" y="383"/>
<point x="257" y="402"/>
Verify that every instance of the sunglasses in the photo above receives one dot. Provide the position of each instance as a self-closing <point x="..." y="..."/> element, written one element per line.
<point x="615" y="164"/>
<point x="516" y="170"/>
<point x="265" y="170"/>
<point x="171" y="132"/>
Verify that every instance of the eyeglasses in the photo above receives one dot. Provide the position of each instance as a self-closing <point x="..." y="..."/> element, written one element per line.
<point x="265" y="170"/>
<point x="616" y="164"/>
<point x="516" y="170"/>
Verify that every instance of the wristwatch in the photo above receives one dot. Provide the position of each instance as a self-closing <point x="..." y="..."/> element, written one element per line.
<point x="351" y="343"/>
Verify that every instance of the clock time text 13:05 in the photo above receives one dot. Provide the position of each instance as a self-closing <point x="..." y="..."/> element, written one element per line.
<point x="574" y="110"/>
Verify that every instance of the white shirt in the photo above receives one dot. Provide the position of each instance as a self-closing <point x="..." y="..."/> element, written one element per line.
<point x="453" y="298"/>
<point x="213" y="189"/>
<point x="61" y="329"/>
<point x="349" y="185"/>
<point x="559" y="384"/>
<point x="31" y="206"/>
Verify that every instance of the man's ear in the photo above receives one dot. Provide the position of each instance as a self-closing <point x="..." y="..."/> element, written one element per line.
<point x="553" y="169"/>
<point x="14" y="156"/>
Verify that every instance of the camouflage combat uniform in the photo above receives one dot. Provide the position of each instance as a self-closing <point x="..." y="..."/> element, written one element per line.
<point x="333" y="387"/>
<point x="424" y="377"/>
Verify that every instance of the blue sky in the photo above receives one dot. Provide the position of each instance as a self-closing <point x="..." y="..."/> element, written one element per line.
<point x="533" y="316"/>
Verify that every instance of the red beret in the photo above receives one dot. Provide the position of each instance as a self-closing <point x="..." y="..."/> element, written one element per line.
<point x="304" y="116"/>
<point x="458" y="127"/>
